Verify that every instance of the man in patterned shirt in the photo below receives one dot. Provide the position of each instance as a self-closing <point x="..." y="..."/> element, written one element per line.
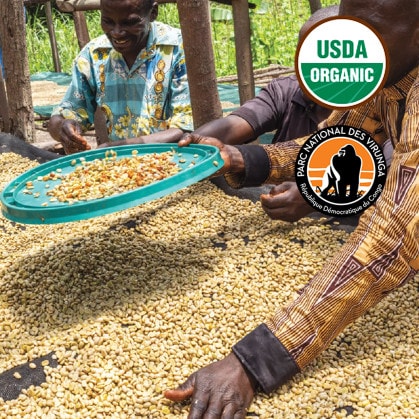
<point x="135" y="73"/>
<point x="380" y="255"/>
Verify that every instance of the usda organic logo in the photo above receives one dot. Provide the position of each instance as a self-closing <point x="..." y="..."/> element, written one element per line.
<point x="341" y="63"/>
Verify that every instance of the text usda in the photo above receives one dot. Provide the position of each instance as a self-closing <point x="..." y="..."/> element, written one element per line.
<point x="341" y="62"/>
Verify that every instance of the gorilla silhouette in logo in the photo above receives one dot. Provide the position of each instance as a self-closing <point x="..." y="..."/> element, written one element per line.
<point x="343" y="171"/>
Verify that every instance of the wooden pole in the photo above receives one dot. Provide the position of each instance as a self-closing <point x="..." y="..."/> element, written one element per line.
<point x="82" y="30"/>
<point x="52" y="39"/>
<point x="315" y="5"/>
<point x="195" y="23"/>
<point x="4" y="106"/>
<point x="74" y="5"/>
<point x="18" y="86"/>
<point x="244" y="63"/>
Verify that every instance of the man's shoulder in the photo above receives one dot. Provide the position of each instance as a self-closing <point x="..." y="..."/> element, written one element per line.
<point x="100" y="43"/>
<point x="290" y="80"/>
<point x="286" y="86"/>
<point x="165" y="34"/>
<point x="291" y="90"/>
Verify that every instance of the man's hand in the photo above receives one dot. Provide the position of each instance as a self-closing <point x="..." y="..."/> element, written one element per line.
<point x="70" y="137"/>
<point x="221" y="390"/>
<point x="284" y="202"/>
<point x="233" y="160"/>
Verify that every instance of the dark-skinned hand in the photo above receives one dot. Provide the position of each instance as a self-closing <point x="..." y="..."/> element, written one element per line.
<point x="233" y="161"/>
<point x="71" y="138"/>
<point x="221" y="390"/>
<point x="284" y="202"/>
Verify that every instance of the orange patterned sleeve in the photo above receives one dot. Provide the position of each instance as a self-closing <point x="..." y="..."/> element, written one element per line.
<point x="282" y="156"/>
<point x="381" y="255"/>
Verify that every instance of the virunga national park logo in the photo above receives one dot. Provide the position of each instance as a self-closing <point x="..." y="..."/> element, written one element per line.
<point x="340" y="171"/>
<point x="341" y="62"/>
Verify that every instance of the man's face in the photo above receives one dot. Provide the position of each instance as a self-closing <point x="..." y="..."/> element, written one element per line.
<point x="127" y="24"/>
<point x="392" y="20"/>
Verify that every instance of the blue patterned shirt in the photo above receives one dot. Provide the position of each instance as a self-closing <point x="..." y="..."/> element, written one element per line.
<point x="151" y="96"/>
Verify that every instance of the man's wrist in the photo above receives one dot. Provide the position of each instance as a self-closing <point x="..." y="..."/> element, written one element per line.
<point x="236" y="160"/>
<point x="265" y="358"/>
<point x="250" y="167"/>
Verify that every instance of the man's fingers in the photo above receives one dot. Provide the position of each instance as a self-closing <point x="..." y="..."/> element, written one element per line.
<point x="232" y="411"/>
<point x="186" y="140"/>
<point x="198" y="409"/>
<point x="183" y="392"/>
<point x="178" y="394"/>
<point x="281" y="188"/>
<point x="78" y="142"/>
<point x="71" y="145"/>
<point x="198" y="139"/>
<point x="276" y="198"/>
<point x="271" y="201"/>
<point x="278" y="189"/>
<point x="71" y="135"/>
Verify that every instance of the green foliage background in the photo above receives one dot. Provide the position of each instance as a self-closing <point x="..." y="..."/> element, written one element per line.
<point x="274" y="23"/>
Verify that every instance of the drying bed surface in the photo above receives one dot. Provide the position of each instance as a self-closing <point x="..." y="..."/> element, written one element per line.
<point x="131" y="303"/>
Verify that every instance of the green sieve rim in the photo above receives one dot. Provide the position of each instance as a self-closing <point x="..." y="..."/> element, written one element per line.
<point x="197" y="162"/>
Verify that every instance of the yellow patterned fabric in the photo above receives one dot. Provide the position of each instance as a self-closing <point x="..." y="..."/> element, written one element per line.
<point x="383" y="252"/>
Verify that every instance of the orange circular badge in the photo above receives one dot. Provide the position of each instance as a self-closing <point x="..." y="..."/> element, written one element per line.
<point x="340" y="170"/>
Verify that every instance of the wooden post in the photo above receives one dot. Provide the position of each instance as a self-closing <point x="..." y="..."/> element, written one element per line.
<point x="82" y="31"/>
<point x="4" y="106"/>
<point x="52" y="39"/>
<point x="195" y="23"/>
<point x="18" y="86"/>
<point x="77" y="8"/>
<point x="244" y="63"/>
<point x="74" y="5"/>
<point x="315" y="5"/>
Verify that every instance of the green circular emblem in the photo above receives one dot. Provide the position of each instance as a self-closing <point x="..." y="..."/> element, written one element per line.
<point x="341" y="62"/>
